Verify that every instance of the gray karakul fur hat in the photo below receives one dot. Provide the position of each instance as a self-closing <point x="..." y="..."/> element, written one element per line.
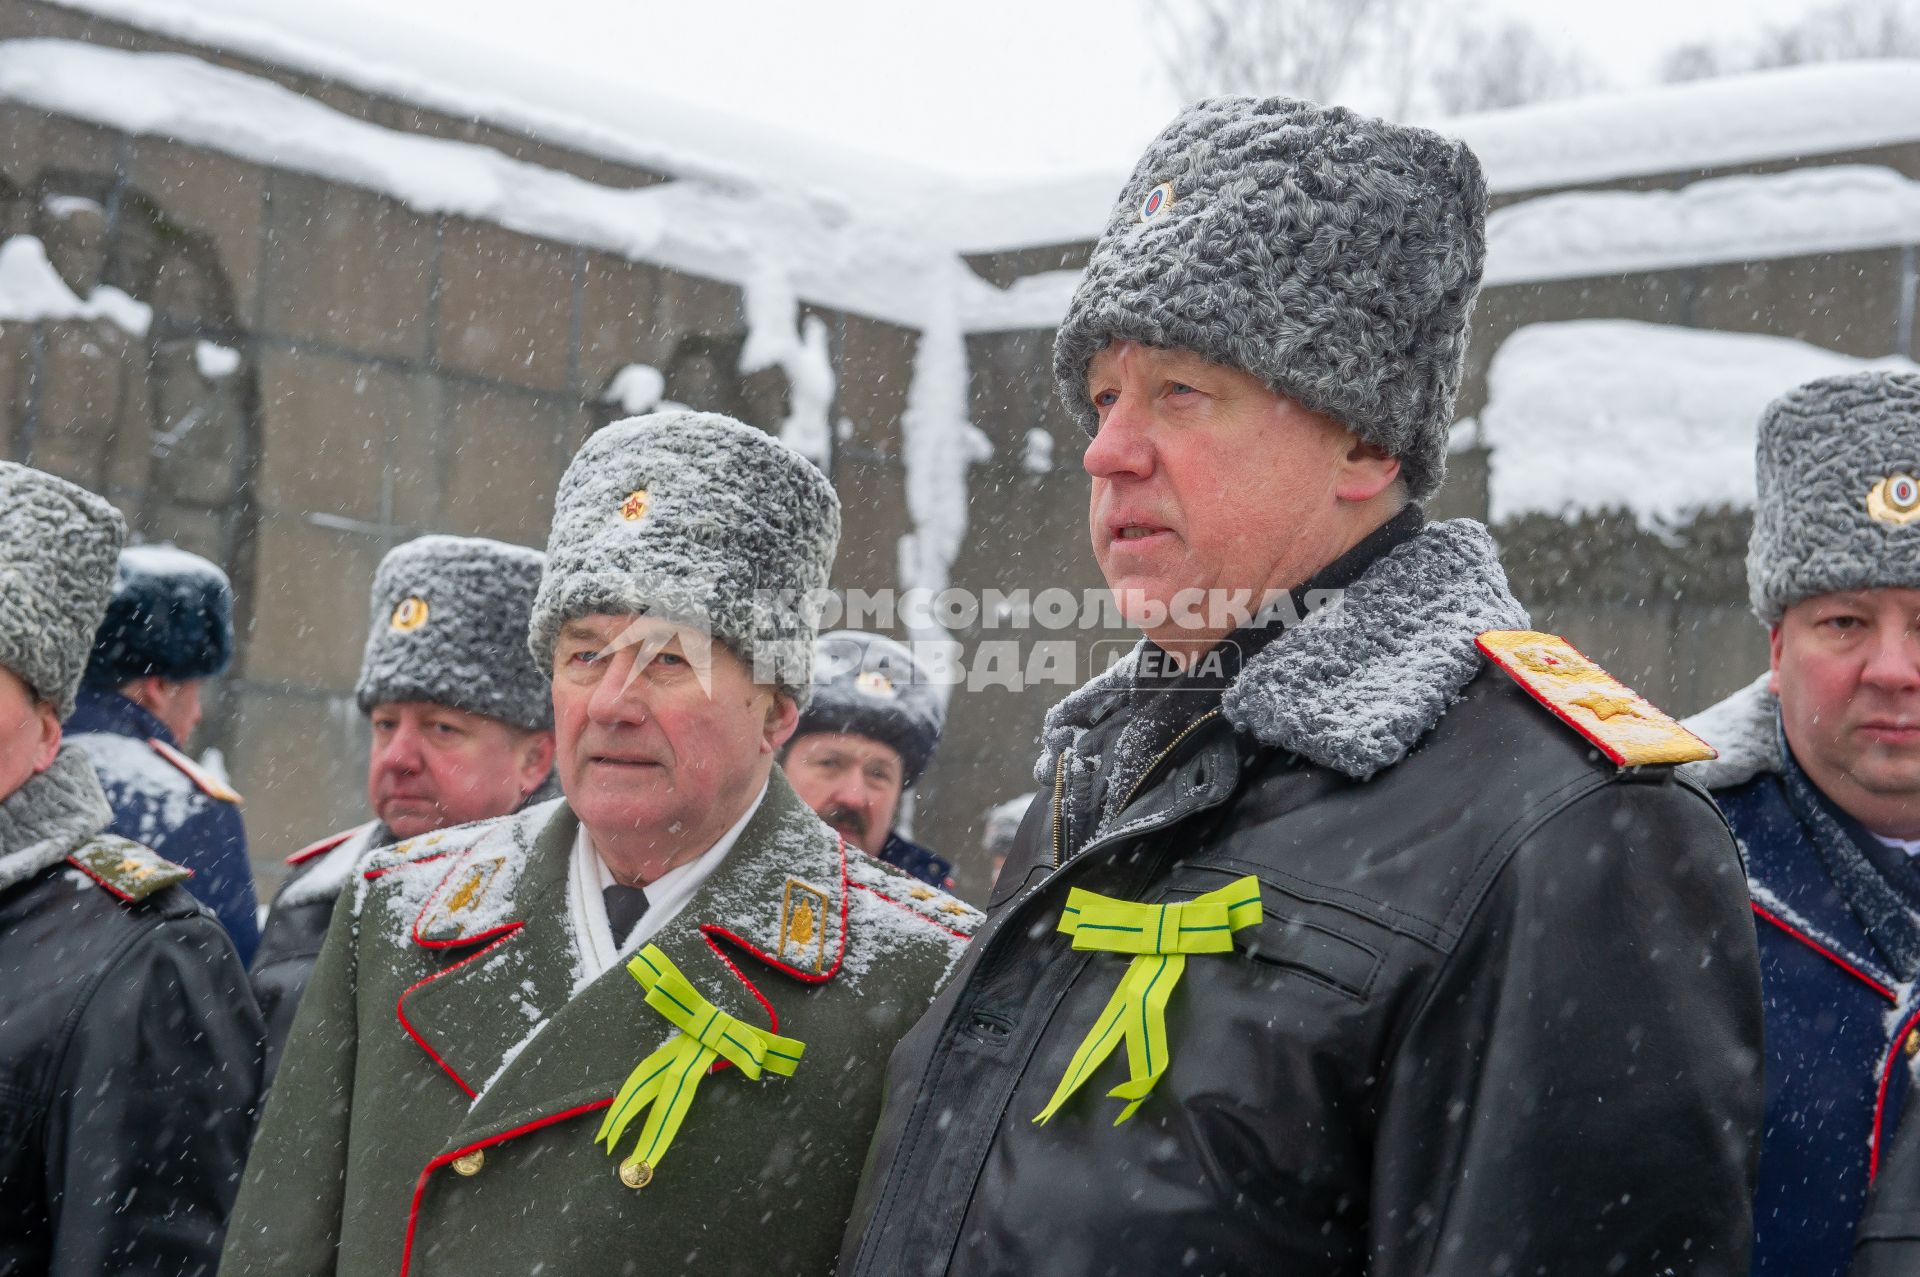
<point x="701" y="520"/>
<point x="868" y="685"/>
<point x="59" y="549"/>
<point x="450" y="617"/>
<point x="1837" y="469"/>
<point x="171" y="615"/>
<point x="1332" y="255"/>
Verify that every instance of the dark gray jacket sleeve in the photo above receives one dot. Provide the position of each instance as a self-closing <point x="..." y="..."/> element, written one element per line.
<point x="1590" y="1055"/>
<point x="154" y="1106"/>
<point x="1888" y="1241"/>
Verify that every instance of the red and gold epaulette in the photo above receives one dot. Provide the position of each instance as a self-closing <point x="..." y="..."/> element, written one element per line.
<point x="322" y="847"/>
<point x="205" y="781"/>
<point x="1620" y="723"/>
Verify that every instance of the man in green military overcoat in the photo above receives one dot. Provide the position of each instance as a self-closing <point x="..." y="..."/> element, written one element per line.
<point x="639" y="1029"/>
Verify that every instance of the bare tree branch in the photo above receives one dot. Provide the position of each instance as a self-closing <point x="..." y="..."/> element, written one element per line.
<point x="1403" y="58"/>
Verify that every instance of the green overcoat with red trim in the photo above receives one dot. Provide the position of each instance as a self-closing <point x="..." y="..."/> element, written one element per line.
<point x="450" y="1065"/>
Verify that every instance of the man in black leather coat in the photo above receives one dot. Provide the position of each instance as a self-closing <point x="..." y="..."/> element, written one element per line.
<point x="1420" y="966"/>
<point x="129" y="1043"/>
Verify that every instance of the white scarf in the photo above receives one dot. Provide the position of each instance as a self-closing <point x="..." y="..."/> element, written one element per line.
<point x="667" y="895"/>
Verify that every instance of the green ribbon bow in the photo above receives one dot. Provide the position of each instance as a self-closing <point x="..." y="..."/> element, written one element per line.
<point x="1162" y="936"/>
<point x="665" y="1082"/>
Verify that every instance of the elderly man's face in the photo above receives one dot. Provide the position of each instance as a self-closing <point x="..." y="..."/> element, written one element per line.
<point x="29" y="733"/>
<point x="663" y="735"/>
<point x="1205" y="480"/>
<point x="1847" y="670"/>
<point x="434" y="766"/>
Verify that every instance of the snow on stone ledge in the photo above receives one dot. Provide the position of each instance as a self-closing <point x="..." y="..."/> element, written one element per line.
<point x="1729" y="219"/>
<point x="1779" y="114"/>
<point x="31" y="290"/>
<point x="1659" y="421"/>
<point x="1708" y="124"/>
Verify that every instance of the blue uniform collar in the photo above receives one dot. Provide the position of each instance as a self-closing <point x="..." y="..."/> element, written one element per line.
<point x="1879" y="885"/>
<point x="917" y="860"/>
<point x="100" y="710"/>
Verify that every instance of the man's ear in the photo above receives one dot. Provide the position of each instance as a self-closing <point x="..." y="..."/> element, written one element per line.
<point x="1365" y="472"/>
<point x="1773" y="659"/>
<point x="783" y="715"/>
<point x="536" y="758"/>
<point x="48" y="746"/>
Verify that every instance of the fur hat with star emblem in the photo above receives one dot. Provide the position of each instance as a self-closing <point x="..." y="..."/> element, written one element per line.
<point x="1838" y="501"/>
<point x="59" y="551"/>
<point x="450" y="617"/>
<point x="701" y="520"/>
<point x="868" y="685"/>
<point x="1334" y="256"/>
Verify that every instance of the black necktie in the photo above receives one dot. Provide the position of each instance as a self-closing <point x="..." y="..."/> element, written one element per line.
<point x="625" y="907"/>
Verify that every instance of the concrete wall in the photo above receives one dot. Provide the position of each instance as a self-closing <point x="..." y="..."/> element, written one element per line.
<point x="400" y="374"/>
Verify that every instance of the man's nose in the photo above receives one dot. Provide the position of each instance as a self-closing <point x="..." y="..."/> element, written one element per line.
<point x="1894" y="661"/>
<point x="1121" y="448"/>
<point x="402" y="751"/>
<point x="619" y="698"/>
<point x="849" y="792"/>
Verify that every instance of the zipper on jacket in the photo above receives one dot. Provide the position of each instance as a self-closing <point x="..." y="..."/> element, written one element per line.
<point x="1060" y="778"/>
<point x="1059" y="789"/>
<point x="1166" y="753"/>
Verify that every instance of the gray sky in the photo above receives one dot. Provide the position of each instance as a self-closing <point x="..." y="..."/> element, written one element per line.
<point x="991" y="88"/>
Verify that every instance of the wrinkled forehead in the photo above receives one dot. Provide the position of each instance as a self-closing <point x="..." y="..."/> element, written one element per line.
<point x="1165" y="360"/>
<point x="615" y="631"/>
<point x="1896" y="602"/>
<point x="849" y="745"/>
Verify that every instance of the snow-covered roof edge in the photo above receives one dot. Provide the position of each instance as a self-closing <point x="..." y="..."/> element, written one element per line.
<point x="679" y="139"/>
<point x="1788" y="113"/>
<point x="864" y="264"/>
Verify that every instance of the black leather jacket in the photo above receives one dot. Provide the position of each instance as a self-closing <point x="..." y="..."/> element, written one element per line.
<point x="296" y="927"/>
<point x="1502" y="1015"/>
<point x="129" y="1068"/>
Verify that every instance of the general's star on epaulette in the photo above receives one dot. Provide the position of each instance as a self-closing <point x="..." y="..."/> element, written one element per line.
<point x="914" y="896"/>
<point x="1624" y="725"/>
<point x="127" y="869"/>
<point x="205" y="781"/>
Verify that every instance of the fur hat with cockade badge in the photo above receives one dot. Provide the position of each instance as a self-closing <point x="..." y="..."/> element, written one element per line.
<point x="1838" y="502"/>
<point x="450" y="618"/>
<point x="702" y="520"/>
<point x="1332" y="255"/>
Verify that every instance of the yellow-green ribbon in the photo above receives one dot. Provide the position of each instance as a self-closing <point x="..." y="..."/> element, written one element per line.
<point x="1161" y="937"/>
<point x="664" y="1084"/>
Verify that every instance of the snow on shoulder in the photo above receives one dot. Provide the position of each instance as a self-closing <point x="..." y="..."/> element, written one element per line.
<point x="1656" y="420"/>
<point x="888" y="908"/>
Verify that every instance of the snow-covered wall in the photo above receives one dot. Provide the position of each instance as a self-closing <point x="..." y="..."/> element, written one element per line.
<point x="1659" y="421"/>
<point x="1583" y="234"/>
